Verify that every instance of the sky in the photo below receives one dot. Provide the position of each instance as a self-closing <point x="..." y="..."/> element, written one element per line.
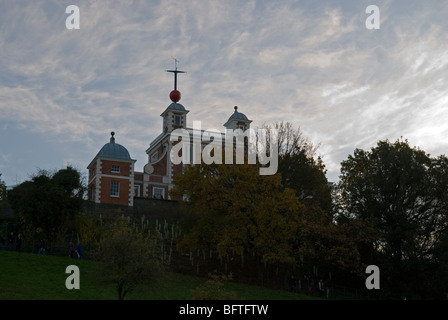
<point x="312" y="63"/>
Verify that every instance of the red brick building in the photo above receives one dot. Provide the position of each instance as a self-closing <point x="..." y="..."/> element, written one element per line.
<point x="111" y="175"/>
<point x="112" y="178"/>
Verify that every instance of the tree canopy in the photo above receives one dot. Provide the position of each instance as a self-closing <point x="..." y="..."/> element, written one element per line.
<point x="129" y="257"/>
<point x="48" y="200"/>
<point x="234" y="208"/>
<point x="300" y="167"/>
<point x="398" y="193"/>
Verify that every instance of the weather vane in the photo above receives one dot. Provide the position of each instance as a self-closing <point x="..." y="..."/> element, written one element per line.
<point x="175" y="71"/>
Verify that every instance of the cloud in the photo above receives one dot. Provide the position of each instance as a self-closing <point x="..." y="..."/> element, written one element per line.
<point x="314" y="64"/>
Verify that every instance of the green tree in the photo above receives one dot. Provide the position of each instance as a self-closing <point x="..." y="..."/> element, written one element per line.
<point x="306" y="175"/>
<point x="129" y="258"/>
<point x="48" y="201"/>
<point x="322" y="243"/>
<point x="300" y="167"/>
<point x="398" y="193"/>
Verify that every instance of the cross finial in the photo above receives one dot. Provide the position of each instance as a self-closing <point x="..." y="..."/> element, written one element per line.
<point x="175" y="71"/>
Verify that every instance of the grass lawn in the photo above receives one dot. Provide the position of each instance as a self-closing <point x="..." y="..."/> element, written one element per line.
<point x="26" y="276"/>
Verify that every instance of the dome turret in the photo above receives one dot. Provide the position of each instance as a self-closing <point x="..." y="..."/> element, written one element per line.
<point x="114" y="150"/>
<point x="237" y="120"/>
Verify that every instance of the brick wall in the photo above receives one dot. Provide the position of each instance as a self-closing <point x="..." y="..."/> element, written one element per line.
<point x="160" y="167"/>
<point x="125" y="167"/>
<point x="123" y="197"/>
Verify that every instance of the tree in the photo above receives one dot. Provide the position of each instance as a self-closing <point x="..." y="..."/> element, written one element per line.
<point x="48" y="201"/>
<point x="291" y="140"/>
<point x="235" y="209"/>
<point x="214" y="289"/>
<point x="129" y="258"/>
<point x="322" y="243"/>
<point x="306" y="176"/>
<point x="318" y="242"/>
<point x="399" y="194"/>
<point x="300" y="167"/>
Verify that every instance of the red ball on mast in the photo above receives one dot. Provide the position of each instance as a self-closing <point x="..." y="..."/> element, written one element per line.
<point x="175" y="95"/>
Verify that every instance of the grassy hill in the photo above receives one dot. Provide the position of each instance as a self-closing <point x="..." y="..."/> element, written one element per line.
<point x="26" y="276"/>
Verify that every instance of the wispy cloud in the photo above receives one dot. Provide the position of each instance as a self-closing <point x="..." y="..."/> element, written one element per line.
<point x="314" y="64"/>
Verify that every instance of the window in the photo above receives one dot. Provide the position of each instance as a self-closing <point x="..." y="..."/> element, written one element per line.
<point x="177" y="120"/>
<point x="158" y="193"/>
<point x="115" y="169"/>
<point x="114" y="189"/>
<point x="137" y="190"/>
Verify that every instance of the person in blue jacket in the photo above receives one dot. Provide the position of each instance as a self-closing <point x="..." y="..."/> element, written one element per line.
<point x="79" y="250"/>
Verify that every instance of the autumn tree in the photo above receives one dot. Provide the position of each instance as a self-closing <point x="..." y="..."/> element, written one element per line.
<point x="232" y="208"/>
<point x="128" y="258"/>
<point x="318" y="242"/>
<point x="398" y="193"/>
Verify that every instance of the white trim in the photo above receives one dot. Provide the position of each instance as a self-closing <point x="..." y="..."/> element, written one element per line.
<point x="169" y="167"/>
<point x="156" y="141"/>
<point x="98" y="181"/>
<point x="157" y="184"/>
<point x="131" y="187"/>
<point x="160" y="145"/>
<point x="116" y="176"/>
<point x="138" y="193"/>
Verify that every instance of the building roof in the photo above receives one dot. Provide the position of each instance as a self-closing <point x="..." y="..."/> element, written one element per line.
<point x="176" y="107"/>
<point x="238" y="115"/>
<point x="113" y="150"/>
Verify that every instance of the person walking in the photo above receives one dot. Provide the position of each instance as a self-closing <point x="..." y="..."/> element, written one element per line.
<point x="320" y="286"/>
<point x="292" y="284"/>
<point x="79" y="251"/>
<point x="310" y="283"/>
<point x="42" y="248"/>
